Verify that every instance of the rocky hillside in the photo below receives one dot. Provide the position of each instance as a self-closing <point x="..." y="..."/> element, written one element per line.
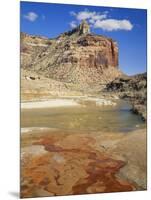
<point x="76" y="56"/>
<point x="133" y="88"/>
<point x="31" y="48"/>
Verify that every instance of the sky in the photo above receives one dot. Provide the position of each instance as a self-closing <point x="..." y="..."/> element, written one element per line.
<point x="126" y="26"/>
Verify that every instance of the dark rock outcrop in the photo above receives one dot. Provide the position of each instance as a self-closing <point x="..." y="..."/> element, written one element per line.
<point x="133" y="88"/>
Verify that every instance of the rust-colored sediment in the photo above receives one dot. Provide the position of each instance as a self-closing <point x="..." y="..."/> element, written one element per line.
<point x="69" y="165"/>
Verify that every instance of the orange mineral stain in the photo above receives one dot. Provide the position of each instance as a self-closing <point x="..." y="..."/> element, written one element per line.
<point x="72" y="169"/>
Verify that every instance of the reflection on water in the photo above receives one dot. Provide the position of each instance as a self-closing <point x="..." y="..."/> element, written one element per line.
<point x="90" y="118"/>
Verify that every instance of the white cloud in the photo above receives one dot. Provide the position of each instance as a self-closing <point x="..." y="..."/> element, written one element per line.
<point x="86" y="14"/>
<point x="113" y="24"/>
<point x="100" y="20"/>
<point x="73" y="24"/>
<point x="99" y="17"/>
<point x="31" y="16"/>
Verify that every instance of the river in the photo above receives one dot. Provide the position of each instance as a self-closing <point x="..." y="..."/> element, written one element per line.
<point x="89" y="118"/>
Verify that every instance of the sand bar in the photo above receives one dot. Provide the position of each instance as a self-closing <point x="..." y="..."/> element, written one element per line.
<point x="50" y="103"/>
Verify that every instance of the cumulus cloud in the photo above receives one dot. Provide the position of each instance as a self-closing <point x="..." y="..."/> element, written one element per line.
<point x="113" y="25"/>
<point x="101" y="20"/>
<point x="31" y="16"/>
<point x="86" y="14"/>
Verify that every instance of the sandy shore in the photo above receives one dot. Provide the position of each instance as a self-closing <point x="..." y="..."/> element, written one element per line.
<point x="50" y="103"/>
<point x="78" y="101"/>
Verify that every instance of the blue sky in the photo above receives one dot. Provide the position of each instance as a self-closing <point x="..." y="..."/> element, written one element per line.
<point x="127" y="26"/>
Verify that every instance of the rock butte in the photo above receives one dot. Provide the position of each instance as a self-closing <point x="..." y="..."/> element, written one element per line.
<point x="76" y="56"/>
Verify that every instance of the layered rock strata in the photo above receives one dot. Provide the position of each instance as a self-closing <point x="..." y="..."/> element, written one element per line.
<point x="76" y="56"/>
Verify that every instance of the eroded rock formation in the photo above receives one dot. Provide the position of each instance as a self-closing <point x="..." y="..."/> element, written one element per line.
<point x="76" y="56"/>
<point x="133" y="88"/>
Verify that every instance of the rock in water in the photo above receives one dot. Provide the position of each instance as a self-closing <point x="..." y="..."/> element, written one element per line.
<point x="76" y="56"/>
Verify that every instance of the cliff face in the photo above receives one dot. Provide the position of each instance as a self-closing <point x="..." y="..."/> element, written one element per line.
<point x="76" y="56"/>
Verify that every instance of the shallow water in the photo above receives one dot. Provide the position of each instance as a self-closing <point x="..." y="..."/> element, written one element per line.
<point x="89" y="118"/>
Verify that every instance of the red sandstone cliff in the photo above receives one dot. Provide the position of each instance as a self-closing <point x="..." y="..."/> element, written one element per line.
<point x="76" y="56"/>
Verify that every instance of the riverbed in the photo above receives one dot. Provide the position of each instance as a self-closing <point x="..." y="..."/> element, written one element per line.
<point x="90" y="117"/>
<point x="89" y="148"/>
